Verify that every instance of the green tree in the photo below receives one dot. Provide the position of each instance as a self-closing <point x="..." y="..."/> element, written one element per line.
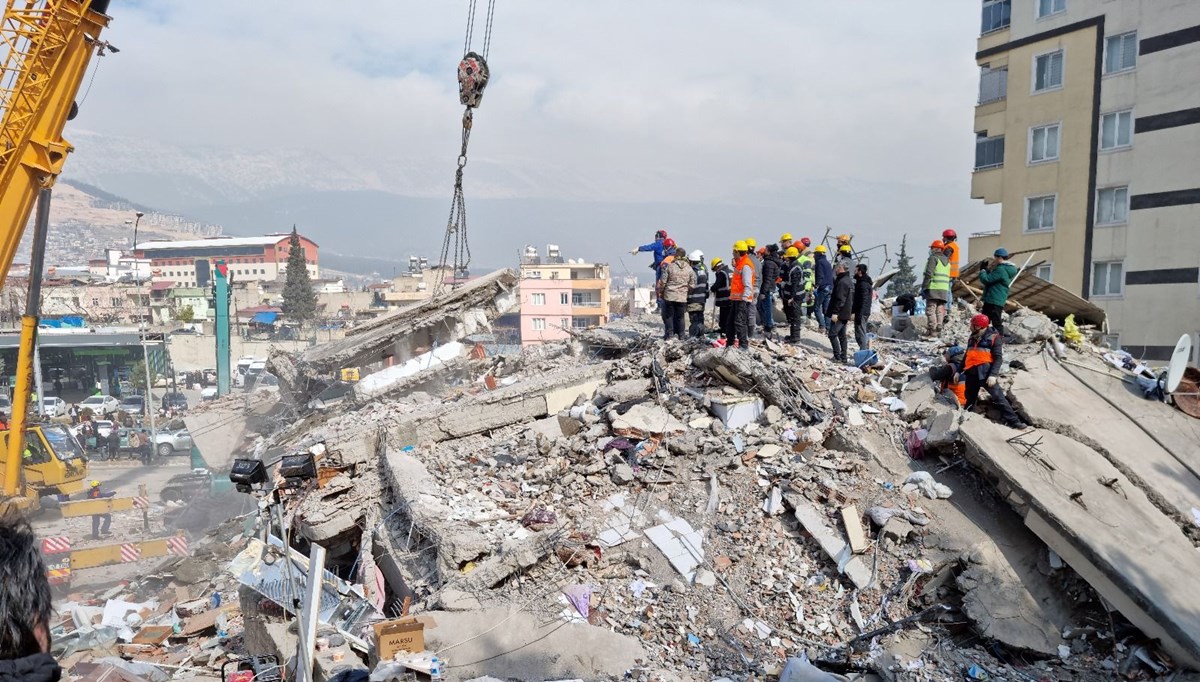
<point x="299" y="299"/>
<point x="185" y="314"/>
<point x="137" y="374"/>
<point x="905" y="280"/>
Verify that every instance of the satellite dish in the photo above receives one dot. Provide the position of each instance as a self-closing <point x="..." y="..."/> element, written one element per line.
<point x="1179" y="362"/>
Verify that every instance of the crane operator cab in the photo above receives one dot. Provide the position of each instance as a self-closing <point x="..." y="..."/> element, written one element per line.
<point x="53" y="462"/>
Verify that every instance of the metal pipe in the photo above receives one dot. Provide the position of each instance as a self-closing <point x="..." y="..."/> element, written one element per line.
<point x="308" y="616"/>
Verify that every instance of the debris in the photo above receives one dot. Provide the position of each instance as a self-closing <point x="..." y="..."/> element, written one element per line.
<point x="814" y="522"/>
<point x="680" y="543"/>
<point x="854" y="530"/>
<point x="923" y="481"/>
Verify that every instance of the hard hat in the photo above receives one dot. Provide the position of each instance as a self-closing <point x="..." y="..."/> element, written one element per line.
<point x="806" y="242"/>
<point x="937" y="244"/>
<point x="820" y="249"/>
<point x="955" y="350"/>
<point x="751" y="243"/>
<point x="845" y="248"/>
<point x="95" y="484"/>
<point x="792" y="252"/>
<point x="786" y="237"/>
<point x="715" y="262"/>
<point x="696" y="256"/>
<point x="661" y="234"/>
<point x="741" y="246"/>
<point x="843" y="238"/>
<point x="980" y="321"/>
<point x="762" y="251"/>
<point x="669" y="243"/>
<point x="949" y="234"/>
<point x="1001" y="252"/>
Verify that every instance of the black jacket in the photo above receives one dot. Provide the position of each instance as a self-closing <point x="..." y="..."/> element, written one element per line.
<point x="770" y="273"/>
<point x="864" y="292"/>
<point x="988" y="339"/>
<point x="721" y="284"/>
<point x="841" y="301"/>
<point x="35" y="668"/>
<point x="699" y="291"/>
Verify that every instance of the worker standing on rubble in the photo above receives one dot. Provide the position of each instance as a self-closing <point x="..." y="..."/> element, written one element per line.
<point x="864" y="296"/>
<point x="845" y="256"/>
<point x="668" y="256"/>
<point x="785" y="242"/>
<point x="935" y="286"/>
<point x="658" y="247"/>
<point x="996" y="275"/>
<point x="772" y="267"/>
<point x="678" y="280"/>
<point x="792" y="292"/>
<point x="25" y="606"/>
<point x="840" y="312"/>
<point x="981" y="368"/>
<point x="741" y="293"/>
<point x="950" y="239"/>
<point x="94" y="493"/>
<point x="824" y="285"/>
<point x="698" y="295"/>
<point x="756" y="263"/>
<point x="806" y="261"/>
<point x="721" y="277"/>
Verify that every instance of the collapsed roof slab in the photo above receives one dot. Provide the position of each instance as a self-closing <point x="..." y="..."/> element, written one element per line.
<point x="1113" y="536"/>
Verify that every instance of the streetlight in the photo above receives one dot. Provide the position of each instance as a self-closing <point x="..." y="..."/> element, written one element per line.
<point x="143" y="330"/>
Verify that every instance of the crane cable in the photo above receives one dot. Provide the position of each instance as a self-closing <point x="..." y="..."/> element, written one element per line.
<point x="473" y="74"/>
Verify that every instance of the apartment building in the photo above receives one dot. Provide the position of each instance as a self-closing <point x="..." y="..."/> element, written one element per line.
<point x="1087" y="132"/>
<point x="259" y="259"/>
<point x="560" y="294"/>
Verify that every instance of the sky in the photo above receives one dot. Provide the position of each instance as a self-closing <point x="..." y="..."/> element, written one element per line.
<point x="691" y="101"/>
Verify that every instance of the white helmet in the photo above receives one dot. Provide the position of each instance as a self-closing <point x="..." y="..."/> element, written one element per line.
<point x="696" y="256"/>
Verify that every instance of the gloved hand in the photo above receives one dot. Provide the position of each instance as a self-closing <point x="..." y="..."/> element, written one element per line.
<point x="833" y="318"/>
<point x="991" y="381"/>
<point x="633" y="252"/>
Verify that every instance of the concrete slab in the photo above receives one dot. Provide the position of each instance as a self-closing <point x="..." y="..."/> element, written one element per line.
<point x="1137" y="558"/>
<point x="830" y="540"/>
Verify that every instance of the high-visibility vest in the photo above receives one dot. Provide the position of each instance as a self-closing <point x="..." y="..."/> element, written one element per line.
<point x="953" y="248"/>
<point x="941" y="277"/>
<point x="959" y="390"/>
<point x="976" y="355"/>
<point x="738" y="288"/>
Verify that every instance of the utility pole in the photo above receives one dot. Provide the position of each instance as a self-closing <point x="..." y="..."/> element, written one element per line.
<point x="221" y="326"/>
<point x="144" y="330"/>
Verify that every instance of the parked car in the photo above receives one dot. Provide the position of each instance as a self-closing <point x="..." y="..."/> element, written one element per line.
<point x="54" y="406"/>
<point x="101" y="404"/>
<point x="264" y="381"/>
<point x="5" y="403"/>
<point x="174" y="401"/>
<point x="209" y="393"/>
<point x="173" y="442"/>
<point x="133" y="404"/>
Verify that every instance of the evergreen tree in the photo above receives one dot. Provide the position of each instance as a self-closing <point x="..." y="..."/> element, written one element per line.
<point x="905" y="280"/>
<point x="299" y="300"/>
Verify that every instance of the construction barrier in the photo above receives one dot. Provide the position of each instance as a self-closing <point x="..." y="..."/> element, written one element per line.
<point x="105" y="505"/>
<point x="57" y="554"/>
<point x="61" y="560"/>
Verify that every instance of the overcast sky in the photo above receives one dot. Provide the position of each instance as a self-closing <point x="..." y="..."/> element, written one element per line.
<point x="695" y="101"/>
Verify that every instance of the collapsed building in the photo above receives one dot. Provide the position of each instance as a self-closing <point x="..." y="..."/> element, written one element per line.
<point x="617" y="507"/>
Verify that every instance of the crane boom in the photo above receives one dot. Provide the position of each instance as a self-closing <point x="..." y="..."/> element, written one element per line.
<point x="48" y="45"/>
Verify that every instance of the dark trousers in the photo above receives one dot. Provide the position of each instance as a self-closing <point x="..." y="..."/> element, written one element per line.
<point x="795" y="316"/>
<point x="995" y="313"/>
<point x="741" y="323"/>
<point x="96" y="524"/>
<point x="766" y="310"/>
<point x="673" y="318"/>
<point x="725" y="319"/>
<point x="696" y="323"/>
<point x="975" y="382"/>
<point x="860" y="333"/>
<point x="837" y="339"/>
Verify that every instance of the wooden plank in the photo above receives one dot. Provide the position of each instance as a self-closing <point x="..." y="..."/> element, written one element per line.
<point x="854" y="529"/>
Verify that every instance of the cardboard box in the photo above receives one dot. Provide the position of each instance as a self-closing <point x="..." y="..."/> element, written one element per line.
<point x="401" y="634"/>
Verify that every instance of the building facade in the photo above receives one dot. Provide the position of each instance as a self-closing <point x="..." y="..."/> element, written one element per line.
<point x="190" y="263"/>
<point x="558" y="295"/>
<point x="1087" y="127"/>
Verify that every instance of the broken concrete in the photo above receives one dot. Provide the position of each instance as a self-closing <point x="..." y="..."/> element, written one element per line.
<point x="830" y="540"/>
<point x="743" y="371"/>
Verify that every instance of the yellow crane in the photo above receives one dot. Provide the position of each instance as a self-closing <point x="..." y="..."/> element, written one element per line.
<point x="48" y="44"/>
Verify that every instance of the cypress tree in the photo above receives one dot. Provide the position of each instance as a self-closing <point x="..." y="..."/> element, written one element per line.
<point x="299" y="299"/>
<point x="905" y="280"/>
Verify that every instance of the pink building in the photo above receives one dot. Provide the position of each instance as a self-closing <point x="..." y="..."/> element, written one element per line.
<point x="559" y="293"/>
<point x="545" y="309"/>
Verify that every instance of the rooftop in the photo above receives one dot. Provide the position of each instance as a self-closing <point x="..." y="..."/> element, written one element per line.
<point x="265" y="240"/>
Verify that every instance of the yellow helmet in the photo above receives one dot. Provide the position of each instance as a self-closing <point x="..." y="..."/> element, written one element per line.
<point x="715" y="262"/>
<point x="751" y="243"/>
<point x="787" y="237"/>
<point x="845" y="248"/>
<point x="95" y="484"/>
<point x="741" y="246"/>
<point x="792" y="252"/>
<point x="820" y="249"/>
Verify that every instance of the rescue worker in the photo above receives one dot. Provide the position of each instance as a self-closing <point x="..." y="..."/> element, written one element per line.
<point x="741" y="293"/>
<point x="94" y="493"/>
<point x="721" y="277"/>
<point x="806" y="261"/>
<point x="756" y="263"/>
<point x="785" y="242"/>
<point x="698" y="295"/>
<point x="772" y="268"/>
<point x="864" y="296"/>
<point x="844" y="240"/>
<point x="823" y="285"/>
<point x="28" y="609"/>
<point x="950" y="239"/>
<point x="996" y="276"/>
<point x="113" y="442"/>
<point x="948" y="376"/>
<point x="981" y="368"/>
<point x="658" y="247"/>
<point x="902" y="311"/>
<point x="935" y="287"/>
<point x="841" y="309"/>
<point x="792" y="292"/>
<point x="668" y="256"/>
<point x="845" y="255"/>
<point x="677" y="282"/>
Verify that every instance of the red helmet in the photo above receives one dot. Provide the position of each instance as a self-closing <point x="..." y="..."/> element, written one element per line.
<point x="806" y="242"/>
<point x="949" y="234"/>
<point x="980" y="321"/>
<point x="669" y="243"/>
<point x="661" y="234"/>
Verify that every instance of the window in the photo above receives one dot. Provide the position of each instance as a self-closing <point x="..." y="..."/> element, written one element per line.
<point x="993" y="84"/>
<point x="95" y="302"/>
<point x="564" y="322"/>
<point x="1116" y="130"/>
<point x="1043" y="143"/>
<point x="989" y="151"/>
<point x="539" y="324"/>
<point x="1120" y="52"/>
<point x="1107" y="278"/>
<point x="1045" y="271"/>
<point x="997" y="14"/>
<point x="1048" y="7"/>
<point x="538" y="299"/>
<point x="1040" y="213"/>
<point x="1048" y="71"/>
<point x="116" y="302"/>
<point x="534" y="274"/>
<point x="564" y="298"/>
<point x="1112" y="206"/>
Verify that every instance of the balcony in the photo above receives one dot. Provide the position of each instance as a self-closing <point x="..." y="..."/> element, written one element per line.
<point x="989" y="152"/>
<point x="997" y="15"/>
<point x="993" y="85"/>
